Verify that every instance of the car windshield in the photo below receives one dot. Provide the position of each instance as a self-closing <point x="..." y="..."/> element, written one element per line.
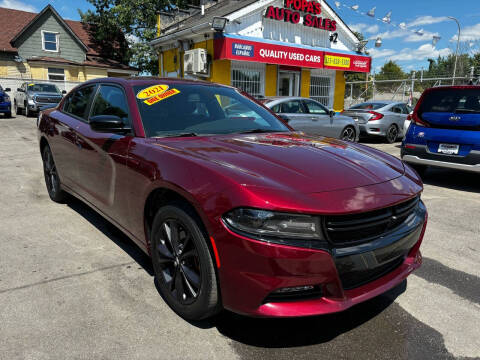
<point x="368" y="106"/>
<point x="43" y="88"/>
<point x="198" y="109"/>
<point x="451" y="101"/>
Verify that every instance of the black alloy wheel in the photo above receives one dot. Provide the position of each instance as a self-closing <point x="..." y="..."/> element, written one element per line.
<point x="52" y="180"/>
<point x="349" y="134"/>
<point x="183" y="265"/>
<point x="392" y="134"/>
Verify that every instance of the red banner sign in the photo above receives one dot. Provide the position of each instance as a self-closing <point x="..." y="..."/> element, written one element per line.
<point x="255" y="51"/>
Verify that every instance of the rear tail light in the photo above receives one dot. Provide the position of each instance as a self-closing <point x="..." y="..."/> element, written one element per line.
<point x="376" y="116"/>
<point x="414" y="118"/>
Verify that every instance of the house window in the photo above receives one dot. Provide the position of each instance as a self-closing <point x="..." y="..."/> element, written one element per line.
<point x="50" y="41"/>
<point x="322" y="86"/>
<point x="249" y="78"/>
<point x="55" y="74"/>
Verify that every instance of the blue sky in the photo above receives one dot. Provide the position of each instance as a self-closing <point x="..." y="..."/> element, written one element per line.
<point x="405" y="47"/>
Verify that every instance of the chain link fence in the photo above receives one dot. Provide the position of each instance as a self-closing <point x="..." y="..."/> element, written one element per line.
<point x="408" y="89"/>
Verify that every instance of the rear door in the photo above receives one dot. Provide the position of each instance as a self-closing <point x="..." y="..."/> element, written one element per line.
<point x="66" y="122"/>
<point x="294" y="112"/>
<point x="400" y="115"/>
<point x="102" y="156"/>
<point x="321" y="121"/>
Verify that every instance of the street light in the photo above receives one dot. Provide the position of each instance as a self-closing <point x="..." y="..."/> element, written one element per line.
<point x="458" y="45"/>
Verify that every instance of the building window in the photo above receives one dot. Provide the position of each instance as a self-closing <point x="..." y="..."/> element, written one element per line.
<point x="322" y="84"/>
<point x="249" y="78"/>
<point x="50" y="41"/>
<point x="55" y="74"/>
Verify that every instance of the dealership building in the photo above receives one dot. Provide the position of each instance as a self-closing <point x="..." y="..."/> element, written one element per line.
<point x="265" y="47"/>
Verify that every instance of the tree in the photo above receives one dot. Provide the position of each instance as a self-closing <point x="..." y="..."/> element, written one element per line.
<point x="135" y="21"/>
<point x="391" y="71"/>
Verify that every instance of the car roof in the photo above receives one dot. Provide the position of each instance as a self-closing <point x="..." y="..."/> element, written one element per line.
<point x="143" y="80"/>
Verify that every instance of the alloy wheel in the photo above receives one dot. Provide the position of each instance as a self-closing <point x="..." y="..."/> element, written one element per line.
<point x="348" y="134"/>
<point x="50" y="172"/>
<point x="392" y="134"/>
<point x="179" y="262"/>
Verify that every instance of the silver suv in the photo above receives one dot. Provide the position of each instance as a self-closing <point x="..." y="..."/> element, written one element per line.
<point x="31" y="97"/>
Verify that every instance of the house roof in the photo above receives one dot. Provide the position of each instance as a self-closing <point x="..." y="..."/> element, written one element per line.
<point x="59" y="18"/>
<point x="16" y="21"/>
<point x="221" y="8"/>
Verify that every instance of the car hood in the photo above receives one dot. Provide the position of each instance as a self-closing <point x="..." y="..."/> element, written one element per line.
<point x="288" y="161"/>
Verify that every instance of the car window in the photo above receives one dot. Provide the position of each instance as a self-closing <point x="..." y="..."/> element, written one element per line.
<point x="76" y="104"/>
<point x="110" y="100"/>
<point x="368" y="106"/>
<point x="405" y="109"/>
<point x="397" y="109"/>
<point x="277" y="108"/>
<point x="451" y="101"/>
<point x="292" y="107"/>
<point x="204" y="110"/>
<point x="43" y="88"/>
<point x="315" y="108"/>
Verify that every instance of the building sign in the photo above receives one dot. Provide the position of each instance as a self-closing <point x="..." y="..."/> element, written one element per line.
<point x="292" y="12"/>
<point x="233" y="48"/>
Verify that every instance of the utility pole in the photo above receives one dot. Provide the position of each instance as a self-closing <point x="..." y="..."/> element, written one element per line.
<point x="458" y="45"/>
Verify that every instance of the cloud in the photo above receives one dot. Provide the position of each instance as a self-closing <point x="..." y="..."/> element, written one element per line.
<point x="423" y="52"/>
<point x="427" y="20"/>
<point x="407" y="35"/>
<point x="17" y="5"/>
<point x="470" y="33"/>
<point x="365" y="28"/>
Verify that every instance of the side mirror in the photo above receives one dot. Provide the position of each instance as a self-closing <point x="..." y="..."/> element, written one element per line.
<point x="8" y="90"/>
<point x="64" y="92"/>
<point x="332" y="113"/>
<point x="108" y="124"/>
<point x="19" y="90"/>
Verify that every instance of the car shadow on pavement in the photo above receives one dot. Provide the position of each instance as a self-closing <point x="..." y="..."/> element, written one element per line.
<point x="112" y="232"/>
<point x="452" y="179"/>
<point x="296" y="332"/>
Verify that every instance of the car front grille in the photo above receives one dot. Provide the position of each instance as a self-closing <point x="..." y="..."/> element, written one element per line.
<point x="349" y="230"/>
<point x="47" y="100"/>
<point x="1" y="99"/>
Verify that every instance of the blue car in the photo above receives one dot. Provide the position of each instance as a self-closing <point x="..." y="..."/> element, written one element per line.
<point x="5" y="104"/>
<point x="445" y="130"/>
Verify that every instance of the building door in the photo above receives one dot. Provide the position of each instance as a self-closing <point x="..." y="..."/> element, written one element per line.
<point x="289" y="84"/>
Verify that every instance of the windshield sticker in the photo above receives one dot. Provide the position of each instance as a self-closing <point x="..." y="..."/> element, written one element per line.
<point x="31" y="85"/>
<point x="163" y="96"/>
<point x="151" y="91"/>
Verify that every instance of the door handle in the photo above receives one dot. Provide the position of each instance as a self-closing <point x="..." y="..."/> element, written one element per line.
<point x="314" y="118"/>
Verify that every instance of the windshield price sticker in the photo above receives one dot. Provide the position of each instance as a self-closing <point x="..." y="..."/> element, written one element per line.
<point x="165" y="95"/>
<point x="152" y="91"/>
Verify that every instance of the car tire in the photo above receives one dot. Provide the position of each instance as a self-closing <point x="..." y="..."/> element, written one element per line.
<point x="349" y="134"/>
<point x="392" y="134"/>
<point x="183" y="265"/>
<point x="18" y="111"/>
<point x="52" y="180"/>
<point x="27" y="112"/>
<point x="8" y="115"/>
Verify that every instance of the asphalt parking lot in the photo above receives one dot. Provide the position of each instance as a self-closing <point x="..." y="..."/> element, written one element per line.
<point x="73" y="287"/>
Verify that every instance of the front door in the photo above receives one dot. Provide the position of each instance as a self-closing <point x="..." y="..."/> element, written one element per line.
<point x="102" y="157"/>
<point x="288" y="84"/>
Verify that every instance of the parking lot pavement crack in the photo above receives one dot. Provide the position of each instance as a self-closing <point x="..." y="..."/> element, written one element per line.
<point x="65" y="277"/>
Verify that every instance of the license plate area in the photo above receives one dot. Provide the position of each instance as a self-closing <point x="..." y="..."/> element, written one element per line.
<point x="448" y="149"/>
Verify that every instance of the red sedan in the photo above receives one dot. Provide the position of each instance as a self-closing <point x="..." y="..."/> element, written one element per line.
<point x="236" y="210"/>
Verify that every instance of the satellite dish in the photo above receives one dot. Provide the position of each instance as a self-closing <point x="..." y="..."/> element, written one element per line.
<point x="18" y="59"/>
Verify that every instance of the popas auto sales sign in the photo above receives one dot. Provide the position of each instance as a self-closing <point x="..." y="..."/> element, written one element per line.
<point x="291" y="12"/>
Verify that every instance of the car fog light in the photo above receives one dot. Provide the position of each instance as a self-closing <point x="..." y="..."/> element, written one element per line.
<point x="293" y="289"/>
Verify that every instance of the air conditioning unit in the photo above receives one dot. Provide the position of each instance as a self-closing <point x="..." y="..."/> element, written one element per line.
<point x="195" y="62"/>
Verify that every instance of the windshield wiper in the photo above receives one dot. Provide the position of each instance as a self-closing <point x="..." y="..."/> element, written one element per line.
<point x="258" y="131"/>
<point x="192" y="134"/>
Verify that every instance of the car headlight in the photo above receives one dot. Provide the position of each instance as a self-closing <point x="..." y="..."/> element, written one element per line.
<point x="273" y="225"/>
<point x="6" y="98"/>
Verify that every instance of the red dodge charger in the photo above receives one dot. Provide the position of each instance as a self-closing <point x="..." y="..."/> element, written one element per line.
<point x="235" y="208"/>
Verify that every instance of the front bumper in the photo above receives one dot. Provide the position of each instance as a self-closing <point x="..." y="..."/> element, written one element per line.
<point x="36" y="107"/>
<point x="5" y="107"/>
<point x="420" y="155"/>
<point x="252" y="270"/>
